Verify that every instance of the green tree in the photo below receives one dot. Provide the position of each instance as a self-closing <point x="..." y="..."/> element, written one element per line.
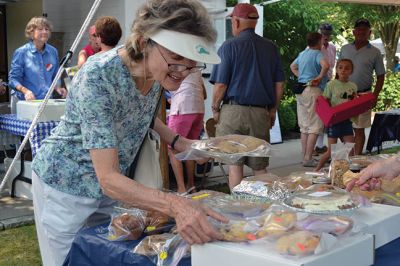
<point x="385" y="21"/>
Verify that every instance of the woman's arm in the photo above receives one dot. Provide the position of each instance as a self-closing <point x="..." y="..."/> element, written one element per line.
<point x="16" y="74"/>
<point x="82" y="57"/>
<point x="191" y="218"/>
<point x="167" y="135"/>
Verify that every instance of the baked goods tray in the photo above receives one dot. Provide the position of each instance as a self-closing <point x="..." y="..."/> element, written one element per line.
<point x="347" y="211"/>
<point x="322" y="199"/>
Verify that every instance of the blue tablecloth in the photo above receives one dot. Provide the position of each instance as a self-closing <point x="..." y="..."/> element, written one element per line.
<point x="90" y="248"/>
<point x="386" y="127"/>
<point x="11" y="124"/>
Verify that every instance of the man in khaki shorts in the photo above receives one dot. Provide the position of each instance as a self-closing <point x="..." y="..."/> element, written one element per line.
<point x="366" y="59"/>
<point x="248" y="86"/>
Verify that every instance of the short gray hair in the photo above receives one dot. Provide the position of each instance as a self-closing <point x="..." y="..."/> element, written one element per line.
<point x="186" y="16"/>
<point x="35" y="23"/>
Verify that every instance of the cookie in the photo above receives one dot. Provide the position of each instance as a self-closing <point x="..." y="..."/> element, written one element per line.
<point x="127" y="226"/>
<point x="299" y="243"/>
<point x="277" y="224"/>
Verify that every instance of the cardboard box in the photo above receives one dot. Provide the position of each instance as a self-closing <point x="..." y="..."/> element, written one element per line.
<point x="383" y="221"/>
<point x="333" y="115"/>
<point x="358" y="250"/>
<point x="53" y="111"/>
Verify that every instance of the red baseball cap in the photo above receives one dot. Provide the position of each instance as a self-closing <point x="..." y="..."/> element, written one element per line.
<point x="244" y="10"/>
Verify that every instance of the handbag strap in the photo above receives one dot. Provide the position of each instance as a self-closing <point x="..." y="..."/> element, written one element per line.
<point x="132" y="167"/>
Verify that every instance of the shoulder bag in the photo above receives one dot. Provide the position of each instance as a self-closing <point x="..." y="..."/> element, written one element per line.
<point x="145" y="168"/>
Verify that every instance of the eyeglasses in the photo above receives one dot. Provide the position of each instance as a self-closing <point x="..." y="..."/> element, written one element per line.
<point x="181" y="68"/>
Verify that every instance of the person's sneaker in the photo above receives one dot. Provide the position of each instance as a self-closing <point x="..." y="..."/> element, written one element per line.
<point x="321" y="150"/>
<point x="310" y="163"/>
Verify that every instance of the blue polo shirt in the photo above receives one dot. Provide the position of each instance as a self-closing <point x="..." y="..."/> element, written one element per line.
<point x="33" y="69"/>
<point x="250" y="66"/>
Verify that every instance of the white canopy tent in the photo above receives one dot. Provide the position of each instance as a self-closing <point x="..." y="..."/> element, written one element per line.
<point x="378" y="44"/>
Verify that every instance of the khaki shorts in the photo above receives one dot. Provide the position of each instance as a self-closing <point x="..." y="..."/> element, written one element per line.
<point x="246" y="120"/>
<point x="308" y="120"/>
<point x="363" y="120"/>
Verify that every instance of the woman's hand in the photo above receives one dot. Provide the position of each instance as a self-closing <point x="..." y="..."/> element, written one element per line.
<point x="192" y="222"/>
<point x="369" y="178"/>
<point x="62" y="91"/>
<point x="29" y="96"/>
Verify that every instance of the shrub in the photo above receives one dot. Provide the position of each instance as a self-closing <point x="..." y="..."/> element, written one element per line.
<point x="389" y="97"/>
<point x="287" y="117"/>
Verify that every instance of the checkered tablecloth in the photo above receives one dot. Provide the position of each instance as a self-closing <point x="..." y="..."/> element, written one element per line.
<point x="11" y="124"/>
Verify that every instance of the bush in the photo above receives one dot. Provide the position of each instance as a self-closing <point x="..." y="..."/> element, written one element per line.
<point x="389" y="97"/>
<point x="287" y="115"/>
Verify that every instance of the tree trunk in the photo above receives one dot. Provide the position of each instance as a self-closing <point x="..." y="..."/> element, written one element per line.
<point x="390" y="34"/>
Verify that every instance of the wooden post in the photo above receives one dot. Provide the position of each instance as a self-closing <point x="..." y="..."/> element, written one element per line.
<point x="162" y="115"/>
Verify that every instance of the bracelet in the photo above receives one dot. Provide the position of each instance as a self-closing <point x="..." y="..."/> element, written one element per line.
<point x="174" y="141"/>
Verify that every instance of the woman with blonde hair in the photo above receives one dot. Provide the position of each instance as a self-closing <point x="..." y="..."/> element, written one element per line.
<point x="34" y="65"/>
<point x="80" y="170"/>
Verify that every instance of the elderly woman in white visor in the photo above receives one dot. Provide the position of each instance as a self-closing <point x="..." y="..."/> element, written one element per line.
<point x="80" y="170"/>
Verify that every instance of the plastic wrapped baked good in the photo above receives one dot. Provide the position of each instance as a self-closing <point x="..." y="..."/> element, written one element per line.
<point x="340" y="162"/>
<point x="240" y="230"/>
<point x="299" y="243"/>
<point x="277" y="223"/>
<point x="322" y="199"/>
<point x="335" y="225"/>
<point x="127" y="225"/>
<point x="164" y="249"/>
<point x="338" y="168"/>
<point x="157" y="222"/>
<point x="228" y="149"/>
<point x="237" y="208"/>
<point x="204" y="194"/>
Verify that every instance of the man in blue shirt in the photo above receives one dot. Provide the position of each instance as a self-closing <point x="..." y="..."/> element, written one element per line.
<point x="248" y="86"/>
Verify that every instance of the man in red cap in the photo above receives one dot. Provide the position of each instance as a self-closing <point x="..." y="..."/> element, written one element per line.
<point x="90" y="49"/>
<point x="248" y="86"/>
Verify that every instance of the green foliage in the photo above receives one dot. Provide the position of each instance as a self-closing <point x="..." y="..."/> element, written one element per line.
<point x="287" y="114"/>
<point x="389" y="97"/>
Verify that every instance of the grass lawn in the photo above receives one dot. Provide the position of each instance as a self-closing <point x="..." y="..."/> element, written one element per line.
<point x="19" y="247"/>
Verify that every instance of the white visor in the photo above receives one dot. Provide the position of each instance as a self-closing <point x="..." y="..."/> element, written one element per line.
<point x="187" y="45"/>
